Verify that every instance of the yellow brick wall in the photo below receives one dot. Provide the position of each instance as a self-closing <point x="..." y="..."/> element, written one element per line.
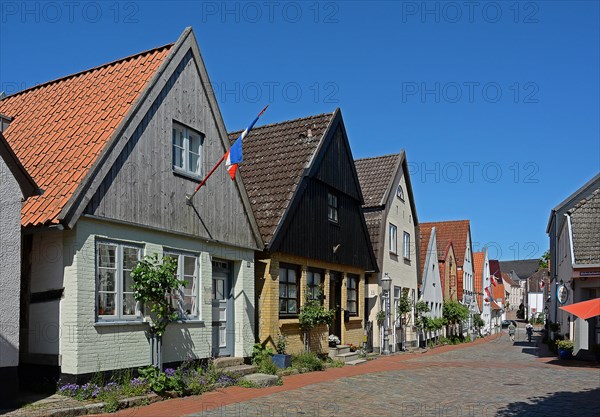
<point x="270" y="325"/>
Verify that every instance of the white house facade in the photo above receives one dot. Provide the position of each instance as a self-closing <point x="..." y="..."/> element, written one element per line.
<point x="431" y="286"/>
<point x="391" y="217"/>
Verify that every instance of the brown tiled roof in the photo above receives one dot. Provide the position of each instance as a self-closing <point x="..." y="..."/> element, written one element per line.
<point x="373" y="220"/>
<point x="375" y="175"/>
<point x="498" y="291"/>
<point x="61" y="127"/>
<point x="507" y="279"/>
<point x="535" y="280"/>
<point x="495" y="269"/>
<point x="455" y="231"/>
<point x="478" y="258"/>
<point x="275" y="157"/>
<point x="585" y="222"/>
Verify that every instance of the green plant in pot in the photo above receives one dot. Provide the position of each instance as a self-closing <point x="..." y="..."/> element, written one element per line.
<point x="281" y="359"/>
<point x="565" y="349"/>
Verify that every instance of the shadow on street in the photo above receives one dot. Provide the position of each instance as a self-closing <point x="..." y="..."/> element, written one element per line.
<point x="562" y="403"/>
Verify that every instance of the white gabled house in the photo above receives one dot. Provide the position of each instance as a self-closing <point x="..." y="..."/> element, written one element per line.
<point x="391" y="217"/>
<point x="116" y="149"/>
<point x="431" y="285"/>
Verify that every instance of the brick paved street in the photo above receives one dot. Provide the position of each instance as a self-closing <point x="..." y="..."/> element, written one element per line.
<point x="487" y="378"/>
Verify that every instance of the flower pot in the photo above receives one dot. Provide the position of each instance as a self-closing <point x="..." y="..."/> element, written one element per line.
<point x="282" y="361"/>
<point x="564" y="354"/>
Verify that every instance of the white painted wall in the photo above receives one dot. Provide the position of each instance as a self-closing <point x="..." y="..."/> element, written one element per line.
<point x="10" y="266"/>
<point x="403" y="272"/>
<point x="486" y="312"/>
<point x="88" y="347"/>
<point x="47" y="265"/>
<point x="431" y="287"/>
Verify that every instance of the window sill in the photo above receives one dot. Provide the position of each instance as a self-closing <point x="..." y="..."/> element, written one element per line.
<point x="188" y="175"/>
<point x="107" y="323"/>
<point x="288" y="320"/>
<point x="355" y="319"/>
<point x="191" y="321"/>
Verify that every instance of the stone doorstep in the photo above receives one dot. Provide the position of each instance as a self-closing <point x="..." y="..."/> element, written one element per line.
<point x="227" y="361"/>
<point x="347" y="357"/>
<point x="97" y="408"/>
<point x="240" y="370"/>
<point x="356" y="362"/>
<point x="262" y="380"/>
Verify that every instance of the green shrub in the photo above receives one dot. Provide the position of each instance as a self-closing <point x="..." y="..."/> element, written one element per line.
<point x="307" y="360"/>
<point x="565" y="345"/>
<point x="268" y="367"/>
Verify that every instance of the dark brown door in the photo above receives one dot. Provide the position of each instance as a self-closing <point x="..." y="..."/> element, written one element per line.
<point x="335" y="302"/>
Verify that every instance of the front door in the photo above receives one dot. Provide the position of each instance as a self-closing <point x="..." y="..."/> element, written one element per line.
<point x="335" y="302"/>
<point x="222" y="309"/>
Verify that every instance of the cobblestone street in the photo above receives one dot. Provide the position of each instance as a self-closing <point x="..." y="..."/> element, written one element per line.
<point x="489" y="377"/>
<point x="497" y="378"/>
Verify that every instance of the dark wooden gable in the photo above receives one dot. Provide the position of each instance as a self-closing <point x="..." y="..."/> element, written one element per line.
<point x="334" y="164"/>
<point x="306" y="230"/>
<point x="142" y="188"/>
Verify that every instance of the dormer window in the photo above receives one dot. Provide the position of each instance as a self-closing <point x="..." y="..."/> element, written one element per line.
<point x="400" y="192"/>
<point x="4" y="122"/>
<point x="187" y="150"/>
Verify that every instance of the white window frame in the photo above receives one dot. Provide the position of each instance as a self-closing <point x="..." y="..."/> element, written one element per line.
<point x="195" y="290"/>
<point x="119" y="293"/>
<point x="187" y="151"/>
<point x="393" y="241"/>
<point x="400" y="192"/>
<point x="406" y="245"/>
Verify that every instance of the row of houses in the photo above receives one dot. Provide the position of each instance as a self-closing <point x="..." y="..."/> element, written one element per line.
<point x="95" y="168"/>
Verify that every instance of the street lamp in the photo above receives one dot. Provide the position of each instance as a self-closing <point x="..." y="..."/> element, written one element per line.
<point x="386" y="283"/>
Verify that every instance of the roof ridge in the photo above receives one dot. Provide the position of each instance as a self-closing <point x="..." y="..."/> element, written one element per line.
<point x="445" y="221"/>
<point x="66" y="77"/>
<point x="584" y="201"/>
<point x="283" y="122"/>
<point x="378" y="157"/>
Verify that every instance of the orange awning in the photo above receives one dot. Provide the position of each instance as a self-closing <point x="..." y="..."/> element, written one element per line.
<point x="584" y="309"/>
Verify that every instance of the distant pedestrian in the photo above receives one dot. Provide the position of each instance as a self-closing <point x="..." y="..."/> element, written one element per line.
<point x="511" y="331"/>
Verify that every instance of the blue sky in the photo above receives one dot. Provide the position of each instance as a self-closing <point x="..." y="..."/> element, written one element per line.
<point x="496" y="103"/>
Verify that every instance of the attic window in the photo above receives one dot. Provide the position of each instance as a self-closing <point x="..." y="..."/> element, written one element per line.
<point x="187" y="150"/>
<point x="4" y="122"/>
<point x="400" y="193"/>
<point x="332" y="207"/>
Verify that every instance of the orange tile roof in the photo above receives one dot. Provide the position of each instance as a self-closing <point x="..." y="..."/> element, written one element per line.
<point x="478" y="258"/>
<point x="455" y="231"/>
<point x="62" y="126"/>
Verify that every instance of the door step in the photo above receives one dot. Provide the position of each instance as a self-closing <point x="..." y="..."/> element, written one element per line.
<point x="356" y="362"/>
<point x="240" y="370"/>
<point x="347" y="357"/>
<point x="227" y="361"/>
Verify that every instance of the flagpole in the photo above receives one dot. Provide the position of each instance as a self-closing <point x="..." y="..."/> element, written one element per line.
<point x="189" y="197"/>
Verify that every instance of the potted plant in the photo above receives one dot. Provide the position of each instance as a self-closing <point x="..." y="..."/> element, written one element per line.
<point x="281" y="359"/>
<point x="565" y="349"/>
<point x="333" y="340"/>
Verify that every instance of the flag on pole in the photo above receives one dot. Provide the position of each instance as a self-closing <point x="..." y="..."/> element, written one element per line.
<point x="488" y="293"/>
<point x="235" y="155"/>
<point x="493" y="279"/>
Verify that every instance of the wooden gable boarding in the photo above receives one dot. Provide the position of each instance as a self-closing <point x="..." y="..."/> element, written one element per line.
<point x="137" y="183"/>
<point x="305" y="230"/>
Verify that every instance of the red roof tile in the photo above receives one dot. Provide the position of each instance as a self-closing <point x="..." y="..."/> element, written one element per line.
<point x="453" y="231"/>
<point x="61" y="127"/>
<point x="478" y="258"/>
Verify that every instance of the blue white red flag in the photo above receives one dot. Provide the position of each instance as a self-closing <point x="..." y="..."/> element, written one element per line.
<point x="234" y="155"/>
